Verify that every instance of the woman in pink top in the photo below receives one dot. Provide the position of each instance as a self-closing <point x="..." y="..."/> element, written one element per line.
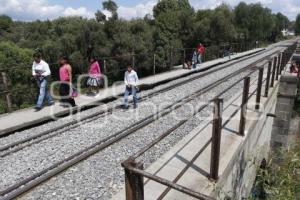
<point x="65" y="74"/>
<point x="95" y="79"/>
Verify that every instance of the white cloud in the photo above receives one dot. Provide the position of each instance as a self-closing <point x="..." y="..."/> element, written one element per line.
<point x="82" y="11"/>
<point x="107" y="13"/>
<point x="137" y="11"/>
<point x="39" y="9"/>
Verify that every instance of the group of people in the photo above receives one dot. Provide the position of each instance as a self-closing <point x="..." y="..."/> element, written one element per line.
<point x="198" y="55"/>
<point x="42" y="73"/>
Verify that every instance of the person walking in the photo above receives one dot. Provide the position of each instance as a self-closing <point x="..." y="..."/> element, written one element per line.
<point x="131" y="82"/>
<point x="201" y="52"/>
<point x="95" y="78"/>
<point x="194" y="59"/>
<point x="228" y="51"/>
<point x="42" y="73"/>
<point x="65" y="74"/>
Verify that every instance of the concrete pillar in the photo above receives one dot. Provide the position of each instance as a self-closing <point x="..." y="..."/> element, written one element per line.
<point x="284" y="109"/>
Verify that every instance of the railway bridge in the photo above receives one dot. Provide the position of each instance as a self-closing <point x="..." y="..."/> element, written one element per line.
<point x="197" y="134"/>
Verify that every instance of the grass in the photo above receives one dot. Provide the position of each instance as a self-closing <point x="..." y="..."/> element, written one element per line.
<point x="280" y="178"/>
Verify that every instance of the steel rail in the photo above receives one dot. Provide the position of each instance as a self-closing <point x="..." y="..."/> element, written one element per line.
<point x="169" y="184"/>
<point x="18" y="145"/>
<point x="34" y="180"/>
<point x="161" y="137"/>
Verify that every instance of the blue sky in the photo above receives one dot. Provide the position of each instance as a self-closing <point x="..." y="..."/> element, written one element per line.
<point x="28" y="10"/>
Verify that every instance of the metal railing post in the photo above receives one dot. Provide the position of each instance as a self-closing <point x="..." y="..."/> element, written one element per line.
<point x="133" y="61"/>
<point x="273" y="72"/>
<point x="154" y="64"/>
<point x="268" y="79"/>
<point x="244" y="106"/>
<point x="216" y="139"/>
<point x="134" y="183"/>
<point x="104" y="66"/>
<point x="277" y="68"/>
<point x="7" y="94"/>
<point x="259" y="86"/>
<point x="184" y="58"/>
<point x="171" y="59"/>
<point x="279" y="63"/>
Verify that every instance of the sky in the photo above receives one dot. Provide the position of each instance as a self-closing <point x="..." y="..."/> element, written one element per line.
<point x="29" y="10"/>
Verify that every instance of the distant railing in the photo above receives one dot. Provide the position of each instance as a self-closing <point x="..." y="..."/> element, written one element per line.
<point x="134" y="173"/>
<point x="146" y="64"/>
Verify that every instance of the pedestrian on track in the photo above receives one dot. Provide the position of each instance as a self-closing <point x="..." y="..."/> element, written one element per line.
<point x="195" y="59"/>
<point x="65" y="90"/>
<point x="201" y="52"/>
<point x="228" y="51"/>
<point x="95" y="78"/>
<point x="42" y="74"/>
<point x="131" y="82"/>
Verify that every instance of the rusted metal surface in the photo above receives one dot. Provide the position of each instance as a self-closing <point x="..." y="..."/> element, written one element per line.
<point x="154" y="64"/>
<point x="244" y="106"/>
<point x="268" y="79"/>
<point x="279" y="63"/>
<point x="168" y="183"/>
<point x="259" y="86"/>
<point x="134" y="183"/>
<point x="273" y="72"/>
<point x="216" y="139"/>
<point x="278" y="68"/>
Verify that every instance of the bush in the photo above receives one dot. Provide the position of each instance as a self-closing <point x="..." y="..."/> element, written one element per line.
<point x="280" y="180"/>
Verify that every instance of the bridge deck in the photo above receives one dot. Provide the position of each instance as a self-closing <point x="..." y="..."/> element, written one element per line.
<point x="197" y="176"/>
<point x="27" y="117"/>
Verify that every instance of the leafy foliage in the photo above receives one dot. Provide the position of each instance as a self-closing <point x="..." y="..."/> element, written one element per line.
<point x="280" y="180"/>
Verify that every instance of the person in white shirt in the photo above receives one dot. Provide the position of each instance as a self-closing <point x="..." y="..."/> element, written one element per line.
<point x="42" y="73"/>
<point x="131" y="81"/>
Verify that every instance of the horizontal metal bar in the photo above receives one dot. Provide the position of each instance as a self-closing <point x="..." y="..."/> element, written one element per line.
<point x="185" y="169"/>
<point x="168" y="183"/>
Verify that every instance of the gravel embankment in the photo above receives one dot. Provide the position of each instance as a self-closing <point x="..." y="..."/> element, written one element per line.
<point x="101" y="174"/>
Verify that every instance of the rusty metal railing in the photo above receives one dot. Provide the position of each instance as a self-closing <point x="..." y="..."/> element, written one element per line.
<point x="134" y="172"/>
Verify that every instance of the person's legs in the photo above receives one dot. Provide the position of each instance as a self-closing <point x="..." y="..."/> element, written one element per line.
<point x="194" y="64"/>
<point x="48" y="95"/>
<point x="64" y="92"/>
<point x="126" y="97"/>
<point x="200" y="58"/>
<point x="42" y="85"/>
<point x="70" y="99"/>
<point x="135" y="99"/>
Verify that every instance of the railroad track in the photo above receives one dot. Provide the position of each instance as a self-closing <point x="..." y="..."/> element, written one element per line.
<point x="30" y="182"/>
<point x="47" y="134"/>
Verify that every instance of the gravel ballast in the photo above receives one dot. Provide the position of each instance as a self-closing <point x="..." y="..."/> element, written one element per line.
<point x="101" y="175"/>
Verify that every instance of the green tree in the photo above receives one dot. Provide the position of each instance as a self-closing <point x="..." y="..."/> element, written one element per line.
<point x="112" y="7"/>
<point x="100" y="17"/>
<point x="5" y="23"/>
<point x="16" y="62"/>
<point x="222" y="25"/>
<point x="173" y="25"/>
